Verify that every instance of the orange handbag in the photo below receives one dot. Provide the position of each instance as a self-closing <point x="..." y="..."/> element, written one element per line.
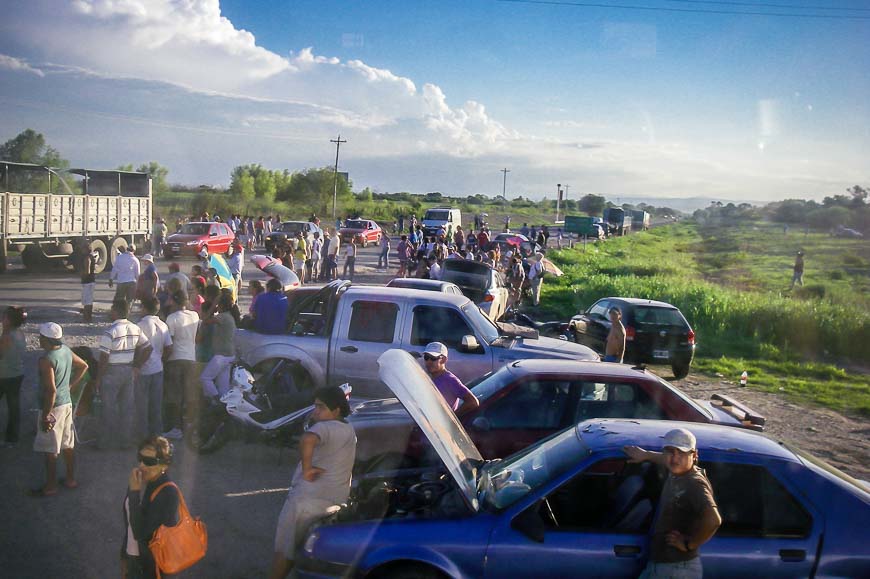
<point x="179" y="547"/>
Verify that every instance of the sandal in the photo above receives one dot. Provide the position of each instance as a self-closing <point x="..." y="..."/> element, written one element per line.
<point x="41" y="493"/>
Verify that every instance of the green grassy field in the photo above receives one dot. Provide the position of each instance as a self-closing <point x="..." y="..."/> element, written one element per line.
<point x="733" y="286"/>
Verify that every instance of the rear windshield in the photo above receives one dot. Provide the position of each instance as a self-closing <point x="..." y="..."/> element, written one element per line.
<point x="437" y="215"/>
<point x="356" y="225"/>
<point x="658" y="316"/>
<point x="289" y="227"/>
<point x="195" y="228"/>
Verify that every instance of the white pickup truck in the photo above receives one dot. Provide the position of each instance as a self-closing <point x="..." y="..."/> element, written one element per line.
<point x="336" y="333"/>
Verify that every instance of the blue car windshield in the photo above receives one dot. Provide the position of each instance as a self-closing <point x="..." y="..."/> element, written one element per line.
<point x="504" y="482"/>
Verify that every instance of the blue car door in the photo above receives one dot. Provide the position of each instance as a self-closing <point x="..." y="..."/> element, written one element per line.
<point x="768" y="528"/>
<point x="594" y="525"/>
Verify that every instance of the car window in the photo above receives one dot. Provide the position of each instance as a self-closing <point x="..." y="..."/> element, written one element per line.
<point x="372" y="322"/>
<point x="599" y="309"/>
<point x="438" y="324"/>
<point x="658" y="316"/>
<point x="611" y="496"/>
<point x="615" y="400"/>
<point x="195" y="229"/>
<point x="536" y="404"/>
<point x="753" y="503"/>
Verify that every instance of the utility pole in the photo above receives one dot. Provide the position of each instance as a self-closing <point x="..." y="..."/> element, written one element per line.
<point x="504" y="182"/>
<point x="558" y="197"/>
<point x="338" y="143"/>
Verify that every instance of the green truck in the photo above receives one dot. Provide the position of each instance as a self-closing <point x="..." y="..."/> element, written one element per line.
<point x="583" y="225"/>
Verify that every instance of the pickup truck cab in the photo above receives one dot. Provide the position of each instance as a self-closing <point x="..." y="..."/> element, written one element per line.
<point x="336" y="333"/>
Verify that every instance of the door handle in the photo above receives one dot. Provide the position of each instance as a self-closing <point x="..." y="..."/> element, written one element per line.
<point x="415" y="354"/>
<point x="792" y="555"/>
<point x="626" y="550"/>
<point x="349" y="349"/>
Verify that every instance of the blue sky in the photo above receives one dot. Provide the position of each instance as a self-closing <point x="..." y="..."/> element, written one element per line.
<point x="441" y="95"/>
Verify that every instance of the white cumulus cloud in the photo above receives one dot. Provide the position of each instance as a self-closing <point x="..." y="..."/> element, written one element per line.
<point x="18" y="65"/>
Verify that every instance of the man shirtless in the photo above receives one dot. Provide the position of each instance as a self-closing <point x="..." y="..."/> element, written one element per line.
<point x="615" y="349"/>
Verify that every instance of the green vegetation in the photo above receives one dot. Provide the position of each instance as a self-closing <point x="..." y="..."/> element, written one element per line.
<point x="732" y="284"/>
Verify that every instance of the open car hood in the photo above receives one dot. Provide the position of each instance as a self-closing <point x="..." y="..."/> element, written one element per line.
<point x="415" y="390"/>
<point x="271" y="267"/>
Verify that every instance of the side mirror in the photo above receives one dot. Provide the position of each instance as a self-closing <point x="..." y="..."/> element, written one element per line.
<point x="481" y="423"/>
<point x="529" y="523"/>
<point x="469" y="344"/>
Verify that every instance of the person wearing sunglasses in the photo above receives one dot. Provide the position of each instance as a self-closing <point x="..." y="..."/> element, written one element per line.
<point x="143" y="514"/>
<point x="457" y="395"/>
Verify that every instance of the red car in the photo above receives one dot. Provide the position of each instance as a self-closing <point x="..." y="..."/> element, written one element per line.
<point x="528" y="400"/>
<point x="363" y="231"/>
<point x="192" y="237"/>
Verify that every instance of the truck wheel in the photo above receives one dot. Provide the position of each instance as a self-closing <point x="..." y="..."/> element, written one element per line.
<point x="99" y="247"/>
<point x="33" y="258"/>
<point x="286" y="383"/>
<point x="118" y="245"/>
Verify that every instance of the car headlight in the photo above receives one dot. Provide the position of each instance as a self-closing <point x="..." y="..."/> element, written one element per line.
<point x="194" y="242"/>
<point x="308" y="547"/>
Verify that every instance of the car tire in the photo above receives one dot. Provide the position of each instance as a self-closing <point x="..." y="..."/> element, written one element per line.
<point x="407" y="571"/>
<point x="681" y="370"/>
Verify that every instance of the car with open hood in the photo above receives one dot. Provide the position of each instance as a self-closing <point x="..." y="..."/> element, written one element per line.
<point x="482" y="284"/>
<point x="528" y="400"/>
<point x="574" y="504"/>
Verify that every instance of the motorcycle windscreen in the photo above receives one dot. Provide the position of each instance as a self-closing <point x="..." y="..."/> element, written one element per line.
<point x="412" y="386"/>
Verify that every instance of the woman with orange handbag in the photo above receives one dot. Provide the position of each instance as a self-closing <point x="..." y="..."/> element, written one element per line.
<point x="144" y="513"/>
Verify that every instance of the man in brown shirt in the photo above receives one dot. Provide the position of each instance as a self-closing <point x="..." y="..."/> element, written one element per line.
<point x="688" y="515"/>
<point x="614" y="350"/>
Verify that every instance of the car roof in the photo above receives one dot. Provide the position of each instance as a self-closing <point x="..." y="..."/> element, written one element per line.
<point x="641" y="302"/>
<point x="296" y="221"/>
<point x="606" y="434"/>
<point x="544" y="366"/>
<point x="401" y="292"/>
<point x="415" y="282"/>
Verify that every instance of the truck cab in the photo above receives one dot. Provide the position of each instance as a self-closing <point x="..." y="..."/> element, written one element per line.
<point x="437" y="217"/>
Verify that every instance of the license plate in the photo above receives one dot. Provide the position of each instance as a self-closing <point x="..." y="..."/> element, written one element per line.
<point x="661" y="354"/>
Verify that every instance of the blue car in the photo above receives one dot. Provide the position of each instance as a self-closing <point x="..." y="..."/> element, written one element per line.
<point x="572" y="506"/>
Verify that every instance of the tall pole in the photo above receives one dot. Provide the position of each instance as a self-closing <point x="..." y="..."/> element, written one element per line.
<point x="504" y="182"/>
<point x="338" y="143"/>
<point x="558" y="195"/>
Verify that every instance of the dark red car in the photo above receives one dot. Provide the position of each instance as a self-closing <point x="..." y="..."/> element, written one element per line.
<point x="192" y="237"/>
<point x="363" y="231"/>
<point x="528" y="400"/>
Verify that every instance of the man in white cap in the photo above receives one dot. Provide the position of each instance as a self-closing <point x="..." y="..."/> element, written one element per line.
<point x="450" y="387"/>
<point x="59" y="371"/>
<point x="536" y="277"/>
<point x="688" y="516"/>
<point x="148" y="282"/>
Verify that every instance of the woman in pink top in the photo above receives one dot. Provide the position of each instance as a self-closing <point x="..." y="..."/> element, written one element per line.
<point x="197" y="289"/>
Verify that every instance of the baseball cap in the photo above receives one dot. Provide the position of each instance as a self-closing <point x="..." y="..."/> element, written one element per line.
<point x="148" y="257"/>
<point x="681" y="439"/>
<point x="435" y="349"/>
<point x="51" y="331"/>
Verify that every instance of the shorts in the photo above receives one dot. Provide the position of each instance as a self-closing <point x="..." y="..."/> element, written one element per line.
<point x="88" y="294"/>
<point x="61" y="437"/>
<point x="295" y="519"/>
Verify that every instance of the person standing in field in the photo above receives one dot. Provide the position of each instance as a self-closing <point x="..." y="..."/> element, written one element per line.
<point x="798" y="275"/>
<point x="615" y="349"/>
<point x="688" y="515"/>
<point x="12" y="348"/>
<point x="125" y="272"/>
<point x="181" y="389"/>
<point x="87" y="265"/>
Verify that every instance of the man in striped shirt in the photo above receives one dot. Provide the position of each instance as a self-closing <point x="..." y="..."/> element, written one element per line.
<point x="123" y="351"/>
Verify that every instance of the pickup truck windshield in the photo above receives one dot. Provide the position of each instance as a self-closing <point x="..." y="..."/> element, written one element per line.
<point x="482" y="324"/>
<point x="437" y="216"/>
<point x="356" y="225"/>
<point x="289" y="227"/>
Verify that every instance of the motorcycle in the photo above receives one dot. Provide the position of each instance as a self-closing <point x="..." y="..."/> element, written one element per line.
<point x="260" y="409"/>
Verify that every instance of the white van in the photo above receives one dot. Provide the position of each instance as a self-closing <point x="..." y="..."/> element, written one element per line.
<point x="437" y="217"/>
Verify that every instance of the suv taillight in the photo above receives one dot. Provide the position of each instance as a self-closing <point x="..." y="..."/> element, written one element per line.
<point x="691" y="337"/>
<point x="629" y="333"/>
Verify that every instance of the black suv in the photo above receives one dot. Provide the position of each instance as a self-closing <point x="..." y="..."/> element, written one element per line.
<point x="655" y="332"/>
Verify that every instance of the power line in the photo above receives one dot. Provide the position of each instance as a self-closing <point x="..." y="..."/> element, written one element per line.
<point x="684" y="10"/>
<point x="769" y="5"/>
